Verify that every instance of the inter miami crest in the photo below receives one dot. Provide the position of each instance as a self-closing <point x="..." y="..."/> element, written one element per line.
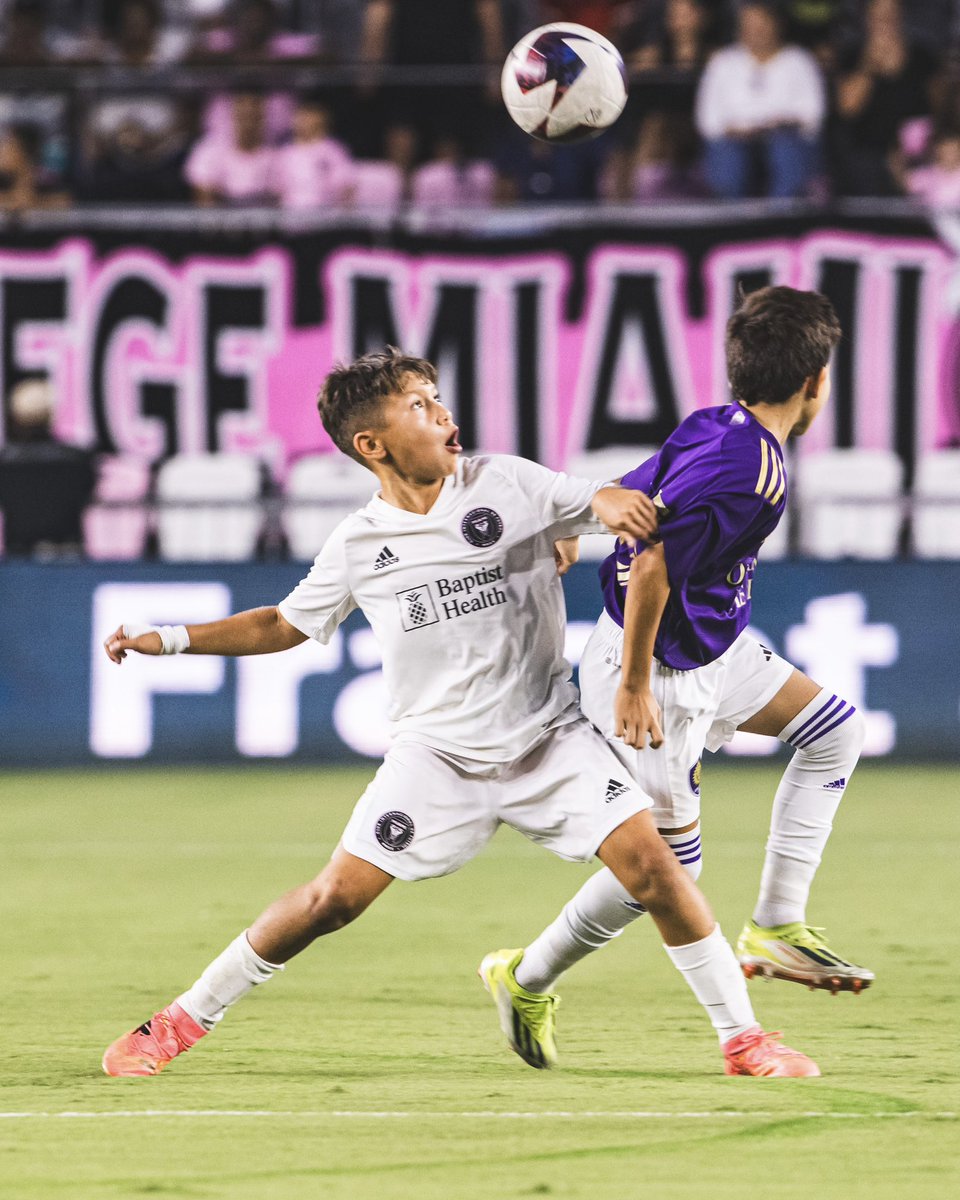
<point x="482" y="527"/>
<point x="395" y="831"/>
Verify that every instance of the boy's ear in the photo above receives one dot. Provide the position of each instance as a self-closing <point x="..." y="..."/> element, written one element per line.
<point x="814" y="384"/>
<point x="369" y="446"/>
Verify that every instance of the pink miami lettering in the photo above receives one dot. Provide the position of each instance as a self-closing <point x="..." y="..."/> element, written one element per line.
<point x="540" y="353"/>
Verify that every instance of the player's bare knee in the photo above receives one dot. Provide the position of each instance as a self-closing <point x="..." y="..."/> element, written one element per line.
<point x="650" y="873"/>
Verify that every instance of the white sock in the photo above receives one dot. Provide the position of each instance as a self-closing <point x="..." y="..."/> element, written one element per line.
<point x="828" y="736"/>
<point x="238" y="969"/>
<point x="597" y="914"/>
<point x="715" y="978"/>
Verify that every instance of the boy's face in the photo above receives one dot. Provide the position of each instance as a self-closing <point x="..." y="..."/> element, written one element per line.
<point x="416" y="438"/>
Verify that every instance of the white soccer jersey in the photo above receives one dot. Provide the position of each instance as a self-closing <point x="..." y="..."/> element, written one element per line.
<point x="465" y="603"/>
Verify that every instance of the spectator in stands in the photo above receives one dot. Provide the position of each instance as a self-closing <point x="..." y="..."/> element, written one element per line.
<point x="658" y="143"/>
<point x="250" y="34"/>
<point x="130" y="162"/>
<point x="385" y="182"/>
<point x="134" y="143"/>
<point x="529" y="170"/>
<point x="239" y="168"/>
<point x="133" y="34"/>
<point x="314" y="170"/>
<point x="662" y="164"/>
<point x="452" y="181"/>
<point x="938" y="184"/>
<point x="432" y="33"/>
<point x="24" y="40"/>
<point x="23" y="183"/>
<point x="608" y="17"/>
<point x="44" y="484"/>
<point x="760" y="108"/>
<point x="818" y="25"/>
<point x="26" y="44"/>
<point x="884" y="80"/>
<point x="683" y="41"/>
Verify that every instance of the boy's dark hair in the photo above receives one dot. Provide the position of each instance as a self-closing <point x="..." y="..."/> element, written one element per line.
<point x="778" y="338"/>
<point x="352" y="394"/>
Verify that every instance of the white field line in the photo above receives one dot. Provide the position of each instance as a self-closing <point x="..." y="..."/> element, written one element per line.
<point x="639" y="1115"/>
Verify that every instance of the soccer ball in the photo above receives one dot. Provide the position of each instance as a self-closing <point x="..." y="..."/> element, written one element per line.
<point x="564" y="83"/>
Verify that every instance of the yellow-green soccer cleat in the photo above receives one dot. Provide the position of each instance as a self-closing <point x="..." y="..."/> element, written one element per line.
<point x="527" y="1018"/>
<point x="798" y="953"/>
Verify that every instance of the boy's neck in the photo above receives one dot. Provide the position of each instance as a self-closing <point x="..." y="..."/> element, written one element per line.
<point x="778" y="419"/>
<point x="410" y="495"/>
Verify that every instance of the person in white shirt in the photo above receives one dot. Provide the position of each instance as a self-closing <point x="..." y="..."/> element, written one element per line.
<point x="759" y="109"/>
<point x="453" y="564"/>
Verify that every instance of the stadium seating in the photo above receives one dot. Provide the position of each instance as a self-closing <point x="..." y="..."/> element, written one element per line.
<point x="209" y="507"/>
<point x="115" y="525"/>
<point x="936" y="505"/>
<point x="321" y="490"/>
<point x="850" y="503"/>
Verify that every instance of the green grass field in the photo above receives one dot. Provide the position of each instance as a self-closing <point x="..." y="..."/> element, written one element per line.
<point x="373" y="1069"/>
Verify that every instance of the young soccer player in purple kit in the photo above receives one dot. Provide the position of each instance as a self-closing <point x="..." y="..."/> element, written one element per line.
<point x="670" y="661"/>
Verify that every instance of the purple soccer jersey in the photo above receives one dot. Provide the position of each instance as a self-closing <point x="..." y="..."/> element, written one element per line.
<point x="720" y="484"/>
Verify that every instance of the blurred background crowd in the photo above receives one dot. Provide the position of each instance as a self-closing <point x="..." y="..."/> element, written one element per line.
<point x="319" y="103"/>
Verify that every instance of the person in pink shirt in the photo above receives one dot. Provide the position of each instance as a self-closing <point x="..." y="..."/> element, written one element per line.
<point x="451" y="180"/>
<point x="938" y="184"/>
<point x="314" y="169"/>
<point x="239" y="169"/>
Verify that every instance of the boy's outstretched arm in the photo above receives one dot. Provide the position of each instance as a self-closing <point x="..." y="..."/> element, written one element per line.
<point x="628" y="513"/>
<point x="256" y="631"/>
<point x="636" y="713"/>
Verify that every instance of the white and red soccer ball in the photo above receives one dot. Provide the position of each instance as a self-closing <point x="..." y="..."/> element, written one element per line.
<point x="564" y="83"/>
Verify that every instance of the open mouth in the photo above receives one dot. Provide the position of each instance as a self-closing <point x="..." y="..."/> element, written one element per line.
<point x="452" y="443"/>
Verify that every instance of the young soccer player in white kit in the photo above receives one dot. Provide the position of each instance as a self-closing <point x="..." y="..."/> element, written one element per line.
<point x="670" y="660"/>
<point x="453" y="564"/>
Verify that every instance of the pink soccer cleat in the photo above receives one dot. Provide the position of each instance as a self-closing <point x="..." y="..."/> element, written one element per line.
<point x="147" y="1050"/>
<point x="758" y="1053"/>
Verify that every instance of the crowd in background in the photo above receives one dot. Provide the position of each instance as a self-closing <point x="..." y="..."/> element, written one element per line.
<point x="317" y="103"/>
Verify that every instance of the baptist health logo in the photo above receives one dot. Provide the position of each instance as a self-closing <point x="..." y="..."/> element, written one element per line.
<point x="472" y="593"/>
<point x="417" y="607"/>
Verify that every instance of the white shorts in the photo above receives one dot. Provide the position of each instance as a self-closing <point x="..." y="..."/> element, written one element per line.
<point x="700" y="709"/>
<point x="426" y="813"/>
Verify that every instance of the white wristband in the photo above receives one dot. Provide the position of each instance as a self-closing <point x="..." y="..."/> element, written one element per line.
<point x="174" y="639"/>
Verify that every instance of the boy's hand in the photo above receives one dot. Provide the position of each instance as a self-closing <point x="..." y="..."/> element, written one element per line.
<point x="142" y="639"/>
<point x="630" y="514"/>
<point x="636" y="716"/>
<point x="566" y="551"/>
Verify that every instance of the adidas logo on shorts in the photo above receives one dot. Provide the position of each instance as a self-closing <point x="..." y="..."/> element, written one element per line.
<point x="386" y="558"/>
<point x="614" y="789"/>
<point x="835" y="784"/>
